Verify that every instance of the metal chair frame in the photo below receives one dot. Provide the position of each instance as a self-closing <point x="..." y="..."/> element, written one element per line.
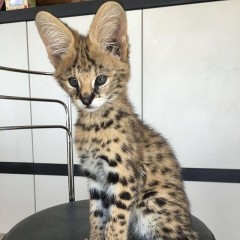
<point x="67" y="128"/>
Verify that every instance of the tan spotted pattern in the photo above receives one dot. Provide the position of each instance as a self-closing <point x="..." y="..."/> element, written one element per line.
<point x="135" y="183"/>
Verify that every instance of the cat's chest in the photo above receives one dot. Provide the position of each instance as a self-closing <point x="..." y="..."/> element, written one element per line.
<point x="93" y="142"/>
<point x="93" y="151"/>
<point x="94" y="167"/>
<point x="101" y="146"/>
<point x="90" y="145"/>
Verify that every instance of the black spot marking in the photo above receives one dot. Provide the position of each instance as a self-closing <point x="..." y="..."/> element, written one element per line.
<point x="167" y="230"/>
<point x="88" y="128"/>
<point x="106" y="203"/>
<point x="166" y="170"/>
<point x="121" y="205"/>
<point x="94" y="194"/>
<point x="113" y="178"/>
<point x="116" y="140"/>
<point x="120" y="114"/>
<point x="82" y="161"/>
<point x="97" y="128"/>
<point x="125" y="148"/>
<point x="131" y="179"/>
<point x="154" y="170"/>
<point x="149" y="194"/>
<point x="103" y="145"/>
<point x="159" y="144"/>
<point x="173" y="194"/>
<point x="172" y="155"/>
<point x="107" y="200"/>
<point x="91" y="60"/>
<point x="105" y="158"/>
<point x="153" y="183"/>
<point x="119" y="85"/>
<point x="105" y="115"/>
<point x="117" y="126"/>
<point x="167" y="186"/>
<point x="133" y="188"/>
<point x="159" y="157"/>
<point x="112" y="163"/>
<point x="98" y="213"/>
<point x="122" y="223"/>
<point x="160" y="201"/>
<point x="150" y="158"/>
<point x="121" y="216"/>
<point x="83" y="156"/>
<point x="95" y="140"/>
<point x="165" y="212"/>
<point x="125" y="195"/>
<point x="107" y="124"/>
<point x="103" y="195"/>
<point x="142" y="204"/>
<point x="123" y="181"/>
<point x="89" y="175"/>
<point x="147" y="211"/>
<point x="118" y="158"/>
<point x="112" y="199"/>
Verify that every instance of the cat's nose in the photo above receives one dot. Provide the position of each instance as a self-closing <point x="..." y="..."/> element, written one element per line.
<point x="87" y="99"/>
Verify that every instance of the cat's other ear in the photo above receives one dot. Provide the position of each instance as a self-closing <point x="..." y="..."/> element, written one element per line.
<point x="109" y="30"/>
<point x="57" y="37"/>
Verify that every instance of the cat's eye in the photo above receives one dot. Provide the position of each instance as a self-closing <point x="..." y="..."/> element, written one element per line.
<point x="100" y="80"/>
<point x="73" y="82"/>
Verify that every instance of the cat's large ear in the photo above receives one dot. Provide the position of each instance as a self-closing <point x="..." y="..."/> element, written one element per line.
<point x="56" y="36"/>
<point x="109" y="29"/>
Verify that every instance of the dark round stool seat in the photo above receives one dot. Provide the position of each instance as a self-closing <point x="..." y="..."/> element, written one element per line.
<point x="70" y="221"/>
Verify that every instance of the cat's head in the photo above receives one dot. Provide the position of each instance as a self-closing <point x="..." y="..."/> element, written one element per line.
<point x="92" y="69"/>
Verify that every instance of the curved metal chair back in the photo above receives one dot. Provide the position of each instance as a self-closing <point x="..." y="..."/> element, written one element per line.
<point x="67" y="127"/>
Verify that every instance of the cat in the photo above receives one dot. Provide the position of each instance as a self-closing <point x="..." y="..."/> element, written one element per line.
<point x="134" y="178"/>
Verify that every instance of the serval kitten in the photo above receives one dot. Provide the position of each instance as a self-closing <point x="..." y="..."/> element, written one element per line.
<point x="134" y="179"/>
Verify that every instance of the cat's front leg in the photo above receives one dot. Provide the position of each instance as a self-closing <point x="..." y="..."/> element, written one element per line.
<point x="98" y="215"/>
<point x="119" y="213"/>
<point x="97" y="223"/>
<point x="117" y="226"/>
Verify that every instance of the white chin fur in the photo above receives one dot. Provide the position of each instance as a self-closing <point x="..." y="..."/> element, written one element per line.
<point x="95" y="105"/>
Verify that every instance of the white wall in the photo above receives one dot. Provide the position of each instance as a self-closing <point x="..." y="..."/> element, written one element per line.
<point x="191" y="69"/>
<point x="15" y="146"/>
